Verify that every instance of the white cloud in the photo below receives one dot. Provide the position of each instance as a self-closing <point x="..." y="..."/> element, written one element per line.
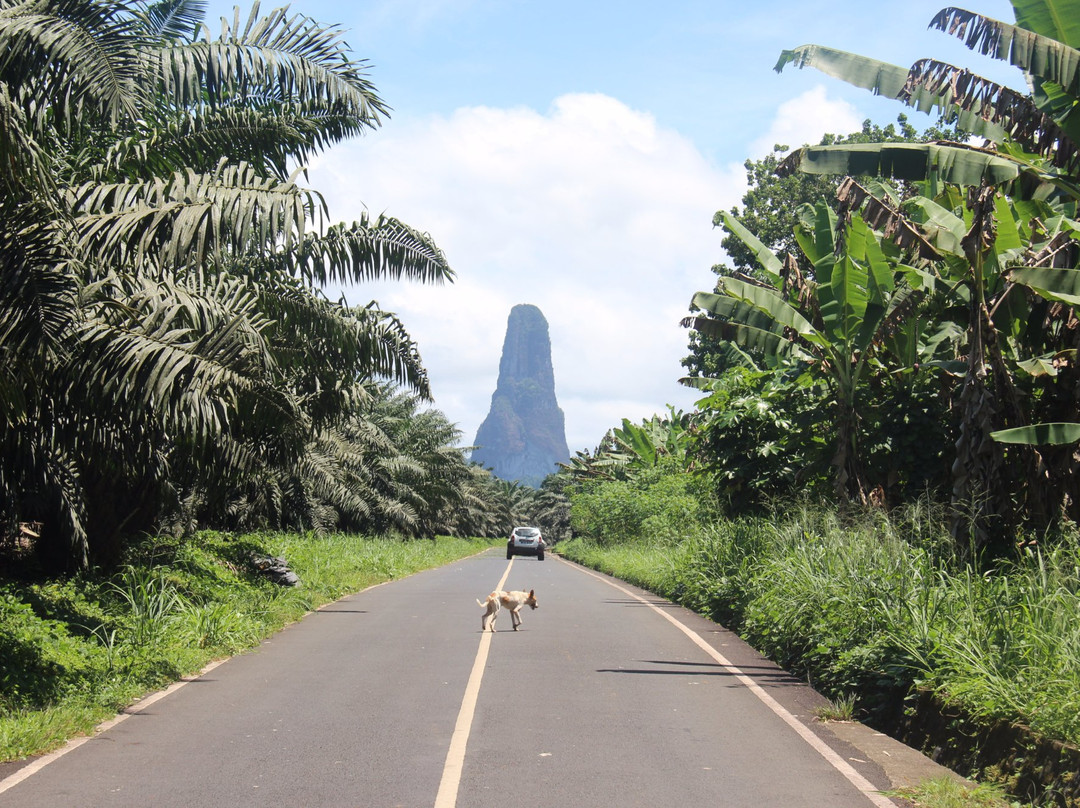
<point x="805" y="119"/>
<point x="590" y="211"/>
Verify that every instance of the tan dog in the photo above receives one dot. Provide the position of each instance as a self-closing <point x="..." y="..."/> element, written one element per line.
<point x="511" y="600"/>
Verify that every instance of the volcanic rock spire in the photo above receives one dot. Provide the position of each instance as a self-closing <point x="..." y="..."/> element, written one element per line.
<point x="523" y="437"/>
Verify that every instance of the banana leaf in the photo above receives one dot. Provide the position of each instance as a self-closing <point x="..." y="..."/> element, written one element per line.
<point x="772" y="304"/>
<point x="933" y="162"/>
<point x="815" y="230"/>
<point x="880" y="78"/>
<point x="765" y="257"/>
<point x="735" y="310"/>
<point x="748" y="338"/>
<point x="1008" y="240"/>
<point x="1043" y="124"/>
<point x="1048" y="56"/>
<point x="1039" y="366"/>
<point x="906" y="161"/>
<point x="1059" y="19"/>
<point x="842" y="297"/>
<point x="1039" y="434"/>
<point x="1062" y="285"/>
<point x="889" y="80"/>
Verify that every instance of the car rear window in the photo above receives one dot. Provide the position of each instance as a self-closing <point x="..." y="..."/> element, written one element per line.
<point x="527" y="532"/>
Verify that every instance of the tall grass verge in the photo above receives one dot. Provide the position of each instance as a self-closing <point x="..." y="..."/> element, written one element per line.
<point x="878" y="608"/>
<point x="74" y="651"/>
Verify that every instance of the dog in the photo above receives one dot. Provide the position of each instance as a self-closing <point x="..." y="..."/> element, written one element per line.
<point x="511" y="600"/>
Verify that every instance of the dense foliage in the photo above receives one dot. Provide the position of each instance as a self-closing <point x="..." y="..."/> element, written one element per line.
<point x="935" y="319"/>
<point x="168" y="359"/>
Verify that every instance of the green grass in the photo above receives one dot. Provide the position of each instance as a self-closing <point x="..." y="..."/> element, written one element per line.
<point x="75" y="651"/>
<point x="876" y="608"/>
<point x="946" y="792"/>
<point x="841" y="708"/>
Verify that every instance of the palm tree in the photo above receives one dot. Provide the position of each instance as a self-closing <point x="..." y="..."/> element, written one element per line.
<point x="160" y="259"/>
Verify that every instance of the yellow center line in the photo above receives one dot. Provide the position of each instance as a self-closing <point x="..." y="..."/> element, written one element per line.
<point x="455" y="756"/>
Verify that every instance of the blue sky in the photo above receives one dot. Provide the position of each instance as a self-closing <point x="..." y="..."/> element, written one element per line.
<point x="571" y="155"/>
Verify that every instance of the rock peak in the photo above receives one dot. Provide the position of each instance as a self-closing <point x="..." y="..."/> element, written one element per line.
<point x="523" y="437"/>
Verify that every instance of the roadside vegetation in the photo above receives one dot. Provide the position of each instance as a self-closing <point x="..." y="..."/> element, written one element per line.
<point x="884" y="456"/>
<point x="877" y="612"/>
<point x="870" y="608"/>
<point x="947" y="793"/>
<point x="77" y="650"/>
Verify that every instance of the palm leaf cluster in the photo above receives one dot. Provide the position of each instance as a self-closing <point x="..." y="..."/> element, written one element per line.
<point x="165" y="351"/>
<point x="970" y="272"/>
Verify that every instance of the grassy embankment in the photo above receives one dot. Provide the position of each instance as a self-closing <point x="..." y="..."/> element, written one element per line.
<point x="75" y="651"/>
<point x="875" y="610"/>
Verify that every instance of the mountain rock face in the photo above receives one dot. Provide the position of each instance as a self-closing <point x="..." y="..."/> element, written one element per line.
<point x="524" y="434"/>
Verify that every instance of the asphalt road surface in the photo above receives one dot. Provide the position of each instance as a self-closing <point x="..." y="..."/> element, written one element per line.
<point x="607" y="696"/>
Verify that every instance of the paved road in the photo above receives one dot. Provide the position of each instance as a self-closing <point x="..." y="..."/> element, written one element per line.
<point x="599" y="700"/>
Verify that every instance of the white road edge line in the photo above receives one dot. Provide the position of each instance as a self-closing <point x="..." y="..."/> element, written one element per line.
<point x="455" y="756"/>
<point x="837" y="762"/>
<point x="132" y="709"/>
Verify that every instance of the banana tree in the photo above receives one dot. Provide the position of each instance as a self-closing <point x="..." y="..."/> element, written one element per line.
<point x="632" y="448"/>
<point x="1031" y="154"/>
<point x="647" y="443"/>
<point x="836" y="322"/>
<point x="1037" y="134"/>
<point x="1055" y="366"/>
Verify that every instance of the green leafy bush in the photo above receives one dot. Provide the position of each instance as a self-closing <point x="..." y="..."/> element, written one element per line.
<point x="663" y="504"/>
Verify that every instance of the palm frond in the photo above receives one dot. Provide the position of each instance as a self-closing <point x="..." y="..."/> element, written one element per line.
<point x="370" y="249"/>
<point x="80" y="54"/>
<point x="37" y="290"/>
<point x="173" y="19"/>
<point x="181" y="220"/>
<point x="148" y="352"/>
<point x="40" y="477"/>
<point x="272" y="58"/>
<point x="269" y="139"/>
<point x="390" y="352"/>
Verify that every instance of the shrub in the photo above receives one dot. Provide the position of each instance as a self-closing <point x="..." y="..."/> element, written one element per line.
<point x="665" y="506"/>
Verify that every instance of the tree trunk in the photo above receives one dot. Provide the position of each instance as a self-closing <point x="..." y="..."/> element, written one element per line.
<point x="977" y="489"/>
<point x="848" y="483"/>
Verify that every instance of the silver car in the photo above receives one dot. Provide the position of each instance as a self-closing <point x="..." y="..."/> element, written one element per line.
<point x="525" y="541"/>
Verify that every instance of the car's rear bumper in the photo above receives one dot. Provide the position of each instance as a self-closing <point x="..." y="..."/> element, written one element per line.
<point x="525" y="550"/>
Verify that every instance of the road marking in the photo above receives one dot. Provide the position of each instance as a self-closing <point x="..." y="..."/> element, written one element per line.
<point x="133" y="709"/>
<point x="455" y="756"/>
<point x="804" y="732"/>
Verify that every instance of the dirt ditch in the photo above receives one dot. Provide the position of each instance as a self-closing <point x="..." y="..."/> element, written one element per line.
<point x="1031" y="768"/>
